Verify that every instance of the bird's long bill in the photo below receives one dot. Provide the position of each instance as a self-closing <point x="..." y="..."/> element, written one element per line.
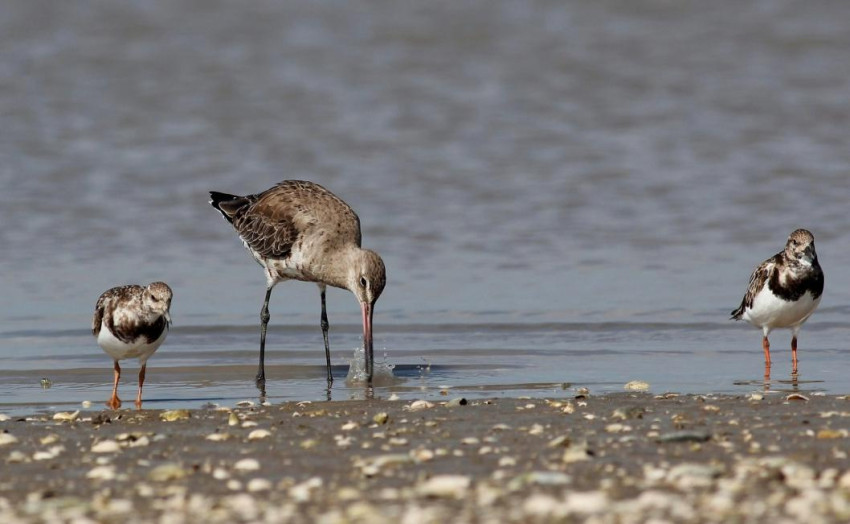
<point x="367" y="339"/>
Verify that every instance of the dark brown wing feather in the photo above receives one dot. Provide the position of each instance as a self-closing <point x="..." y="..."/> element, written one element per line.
<point x="274" y="220"/>
<point x="106" y="302"/>
<point x="757" y="280"/>
<point x="97" y="320"/>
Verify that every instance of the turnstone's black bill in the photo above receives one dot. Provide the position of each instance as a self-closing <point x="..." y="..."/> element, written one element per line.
<point x="784" y="291"/>
<point x="300" y="230"/>
<point x="132" y="322"/>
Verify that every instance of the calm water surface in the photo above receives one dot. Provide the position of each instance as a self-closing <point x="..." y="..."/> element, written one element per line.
<point x="565" y="194"/>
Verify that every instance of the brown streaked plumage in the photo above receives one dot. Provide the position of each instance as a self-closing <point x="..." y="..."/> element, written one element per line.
<point x="300" y="230"/>
<point x="784" y="291"/>
<point x="132" y="322"/>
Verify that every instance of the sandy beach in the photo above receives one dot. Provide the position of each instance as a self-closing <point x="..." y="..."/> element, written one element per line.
<point x="628" y="457"/>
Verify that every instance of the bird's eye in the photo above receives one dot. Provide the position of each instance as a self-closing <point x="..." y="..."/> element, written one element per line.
<point x="154" y="298"/>
<point x="363" y="282"/>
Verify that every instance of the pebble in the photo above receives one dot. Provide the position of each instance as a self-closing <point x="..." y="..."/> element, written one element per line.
<point x="636" y="385"/>
<point x="232" y="419"/>
<point x="7" y="438"/>
<point x="445" y="486"/>
<point x="218" y="437"/>
<point x="106" y="446"/>
<point x="247" y="464"/>
<point x="259" y="484"/>
<point x="382" y="417"/>
<point x="419" y="405"/>
<point x="4" y="417"/>
<point x="259" y="434"/>
<point x="548" y="478"/>
<point x="101" y="473"/>
<point x="166" y="472"/>
<point x="174" y="414"/>
<point x="67" y="416"/>
<point x="455" y="402"/>
<point x="303" y="492"/>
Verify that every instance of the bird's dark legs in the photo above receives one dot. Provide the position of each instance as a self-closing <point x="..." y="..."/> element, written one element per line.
<point x="141" y="383"/>
<point x="794" y="354"/>
<point x="325" y="327"/>
<point x="264" y="324"/>
<point x="115" y="402"/>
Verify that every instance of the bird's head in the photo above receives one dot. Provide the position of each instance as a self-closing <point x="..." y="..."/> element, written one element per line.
<point x="801" y="247"/>
<point x="157" y="298"/>
<point x="367" y="277"/>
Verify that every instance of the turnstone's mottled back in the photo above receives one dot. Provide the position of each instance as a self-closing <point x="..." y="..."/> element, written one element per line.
<point x="132" y="322"/>
<point x="300" y="230"/>
<point x="784" y="291"/>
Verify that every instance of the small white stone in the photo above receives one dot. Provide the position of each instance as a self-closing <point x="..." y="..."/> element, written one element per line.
<point x="7" y="438"/>
<point x="258" y="434"/>
<point x="303" y="491"/>
<point x="536" y="429"/>
<point x="247" y="464"/>
<point x="217" y="437"/>
<point x="422" y="455"/>
<point x="259" y="485"/>
<point x="636" y="385"/>
<point x="220" y="474"/>
<point x="350" y="425"/>
<point x="101" y="473"/>
<point x="506" y="462"/>
<point x="234" y="485"/>
<point x="445" y="486"/>
<point x="419" y="405"/>
<point x="249" y="424"/>
<point x="4" y="417"/>
<point x="67" y="416"/>
<point x="86" y="404"/>
<point x="106" y="446"/>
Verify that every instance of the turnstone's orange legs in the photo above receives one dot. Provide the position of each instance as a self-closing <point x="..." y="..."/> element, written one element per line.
<point x="115" y="402"/>
<point x="794" y="354"/>
<point x="141" y="383"/>
<point x="765" y="344"/>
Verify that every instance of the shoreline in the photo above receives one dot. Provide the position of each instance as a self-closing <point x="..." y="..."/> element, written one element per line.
<point x="622" y="457"/>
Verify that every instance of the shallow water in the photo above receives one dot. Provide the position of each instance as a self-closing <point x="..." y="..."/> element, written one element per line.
<point x="563" y="194"/>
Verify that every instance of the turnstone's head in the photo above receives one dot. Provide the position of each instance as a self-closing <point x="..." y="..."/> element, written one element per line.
<point x="801" y="247"/>
<point x="157" y="297"/>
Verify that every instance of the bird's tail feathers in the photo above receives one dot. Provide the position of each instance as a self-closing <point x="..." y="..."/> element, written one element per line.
<point x="226" y="203"/>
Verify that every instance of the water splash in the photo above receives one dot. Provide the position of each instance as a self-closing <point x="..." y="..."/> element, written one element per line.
<point x="382" y="373"/>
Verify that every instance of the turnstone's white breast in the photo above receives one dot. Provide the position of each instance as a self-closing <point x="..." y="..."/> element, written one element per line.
<point x="784" y="291"/>
<point x="132" y="322"/>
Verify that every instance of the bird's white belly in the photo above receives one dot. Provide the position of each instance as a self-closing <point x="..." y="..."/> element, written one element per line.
<point x="119" y="350"/>
<point x="770" y="311"/>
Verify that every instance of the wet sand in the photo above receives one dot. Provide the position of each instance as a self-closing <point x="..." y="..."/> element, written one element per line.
<point x="627" y="457"/>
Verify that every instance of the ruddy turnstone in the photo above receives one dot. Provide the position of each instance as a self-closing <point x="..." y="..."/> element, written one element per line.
<point x="300" y="230"/>
<point x="784" y="291"/>
<point x="132" y="322"/>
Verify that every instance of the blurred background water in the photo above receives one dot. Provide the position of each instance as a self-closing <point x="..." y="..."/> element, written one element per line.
<point x="564" y="193"/>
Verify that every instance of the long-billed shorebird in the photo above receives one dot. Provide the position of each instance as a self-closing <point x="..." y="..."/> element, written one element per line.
<point x="784" y="291"/>
<point x="132" y="322"/>
<point x="300" y="230"/>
